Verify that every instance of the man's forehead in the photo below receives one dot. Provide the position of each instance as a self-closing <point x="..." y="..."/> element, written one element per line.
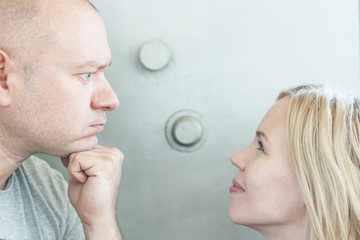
<point x="81" y="41"/>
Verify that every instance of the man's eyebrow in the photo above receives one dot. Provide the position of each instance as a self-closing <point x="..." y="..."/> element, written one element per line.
<point x="94" y="65"/>
<point x="262" y="135"/>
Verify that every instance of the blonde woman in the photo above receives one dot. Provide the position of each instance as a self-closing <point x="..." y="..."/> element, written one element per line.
<point x="300" y="177"/>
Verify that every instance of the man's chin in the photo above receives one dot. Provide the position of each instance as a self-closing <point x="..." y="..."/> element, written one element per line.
<point x="86" y="147"/>
<point x="81" y="146"/>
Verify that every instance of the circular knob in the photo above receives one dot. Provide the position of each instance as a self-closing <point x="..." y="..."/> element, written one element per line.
<point x="187" y="131"/>
<point x="155" y="55"/>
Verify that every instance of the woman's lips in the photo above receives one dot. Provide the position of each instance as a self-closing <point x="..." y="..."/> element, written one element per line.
<point x="236" y="187"/>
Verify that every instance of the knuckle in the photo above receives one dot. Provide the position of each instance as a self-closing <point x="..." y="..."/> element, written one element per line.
<point x="114" y="157"/>
<point x="117" y="153"/>
<point x="121" y="156"/>
<point x="74" y="157"/>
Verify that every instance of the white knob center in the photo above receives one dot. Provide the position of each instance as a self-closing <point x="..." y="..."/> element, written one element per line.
<point x="155" y="55"/>
<point x="187" y="131"/>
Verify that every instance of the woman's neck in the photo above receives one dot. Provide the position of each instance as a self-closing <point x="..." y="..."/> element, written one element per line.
<point x="290" y="231"/>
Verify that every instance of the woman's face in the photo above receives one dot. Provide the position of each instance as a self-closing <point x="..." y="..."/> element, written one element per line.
<point x="265" y="191"/>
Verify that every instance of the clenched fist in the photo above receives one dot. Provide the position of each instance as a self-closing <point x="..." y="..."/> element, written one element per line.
<point x="94" y="179"/>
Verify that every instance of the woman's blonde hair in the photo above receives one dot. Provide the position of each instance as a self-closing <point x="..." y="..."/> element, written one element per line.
<point x="324" y="137"/>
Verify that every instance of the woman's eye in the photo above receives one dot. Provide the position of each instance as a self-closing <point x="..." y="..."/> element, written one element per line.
<point x="261" y="147"/>
<point x="86" y="76"/>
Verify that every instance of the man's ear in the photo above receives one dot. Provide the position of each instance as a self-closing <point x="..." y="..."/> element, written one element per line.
<point x="5" y="67"/>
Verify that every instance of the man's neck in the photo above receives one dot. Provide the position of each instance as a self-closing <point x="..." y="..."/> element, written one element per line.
<point x="9" y="162"/>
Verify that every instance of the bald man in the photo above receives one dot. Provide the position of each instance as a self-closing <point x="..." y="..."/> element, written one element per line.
<point x="53" y="100"/>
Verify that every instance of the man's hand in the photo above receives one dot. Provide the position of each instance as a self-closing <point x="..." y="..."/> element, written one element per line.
<point x="94" y="179"/>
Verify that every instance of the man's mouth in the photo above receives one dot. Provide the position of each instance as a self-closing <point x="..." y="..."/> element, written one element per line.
<point x="98" y="126"/>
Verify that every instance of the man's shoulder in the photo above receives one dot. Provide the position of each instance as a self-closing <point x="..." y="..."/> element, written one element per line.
<point x="45" y="189"/>
<point x="41" y="168"/>
<point x="38" y="174"/>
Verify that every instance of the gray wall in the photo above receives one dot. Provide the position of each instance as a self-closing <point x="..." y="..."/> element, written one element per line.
<point x="230" y="59"/>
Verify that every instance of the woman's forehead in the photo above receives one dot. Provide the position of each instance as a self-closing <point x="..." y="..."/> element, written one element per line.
<point x="274" y="122"/>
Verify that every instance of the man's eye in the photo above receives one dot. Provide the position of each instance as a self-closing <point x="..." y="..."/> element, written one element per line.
<point x="86" y="76"/>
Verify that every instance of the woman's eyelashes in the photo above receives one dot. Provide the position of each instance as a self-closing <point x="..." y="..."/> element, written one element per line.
<point x="260" y="146"/>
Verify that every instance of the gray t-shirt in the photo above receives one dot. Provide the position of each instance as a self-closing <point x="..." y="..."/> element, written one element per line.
<point x="34" y="205"/>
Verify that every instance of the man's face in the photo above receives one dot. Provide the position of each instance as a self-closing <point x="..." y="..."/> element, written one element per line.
<point x="62" y="106"/>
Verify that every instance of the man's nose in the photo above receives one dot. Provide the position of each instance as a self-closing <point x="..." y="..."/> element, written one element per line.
<point x="104" y="97"/>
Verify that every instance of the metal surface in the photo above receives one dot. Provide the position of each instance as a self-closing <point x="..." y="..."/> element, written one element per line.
<point x="229" y="61"/>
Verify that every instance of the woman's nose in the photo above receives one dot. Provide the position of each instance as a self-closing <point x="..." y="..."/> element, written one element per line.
<point x="240" y="159"/>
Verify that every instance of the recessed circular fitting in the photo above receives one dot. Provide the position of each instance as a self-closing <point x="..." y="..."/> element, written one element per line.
<point x="155" y="55"/>
<point x="186" y="130"/>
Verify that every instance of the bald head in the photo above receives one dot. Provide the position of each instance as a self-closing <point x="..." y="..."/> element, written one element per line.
<point x="27" y="26"/>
